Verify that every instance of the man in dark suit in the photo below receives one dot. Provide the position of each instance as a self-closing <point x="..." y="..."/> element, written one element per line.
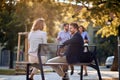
<point x="73" y="52"/>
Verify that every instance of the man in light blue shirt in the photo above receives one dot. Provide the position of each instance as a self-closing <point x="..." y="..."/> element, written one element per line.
<point x="64" y="34"/>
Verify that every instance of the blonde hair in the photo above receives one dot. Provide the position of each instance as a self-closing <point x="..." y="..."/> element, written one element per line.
<point x="38" y="24"/>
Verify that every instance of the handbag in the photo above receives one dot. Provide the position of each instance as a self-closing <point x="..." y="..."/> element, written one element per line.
<point x="86" y="56"/>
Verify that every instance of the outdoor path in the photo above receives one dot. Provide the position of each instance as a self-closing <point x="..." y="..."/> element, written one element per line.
<point x="49" y="75"/>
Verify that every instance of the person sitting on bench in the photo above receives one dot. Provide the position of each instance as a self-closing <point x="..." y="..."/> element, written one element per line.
<point x="72" y="54"/>
<point x="35" y="37"/>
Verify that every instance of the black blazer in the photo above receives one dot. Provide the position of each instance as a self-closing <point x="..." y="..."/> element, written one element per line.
<point x="75" y="48"/>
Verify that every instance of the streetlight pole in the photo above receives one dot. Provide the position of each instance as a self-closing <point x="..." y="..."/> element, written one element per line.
<point x="119" y="57"/>
<point x="119" y="50"/>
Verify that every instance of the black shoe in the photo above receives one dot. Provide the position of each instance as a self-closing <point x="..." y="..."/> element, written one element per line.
<point x="30" y="79"/>
<point x="79" y="73"/>
<point x="65" y="78"/>
<point x="71" y="73"/>
<point x="85" y="74"/>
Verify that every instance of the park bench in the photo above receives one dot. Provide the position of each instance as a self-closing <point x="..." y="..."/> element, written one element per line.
<point x="93" y="64"/>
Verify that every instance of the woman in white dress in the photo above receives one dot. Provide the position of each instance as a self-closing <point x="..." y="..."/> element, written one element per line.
<point x="35" y="37"/>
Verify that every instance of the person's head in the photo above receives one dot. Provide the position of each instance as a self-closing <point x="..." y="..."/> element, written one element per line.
<point x="38" y="24"/>
<point x="81" y="29"/>
<point x="66" y="26"/>
<point x="73" y="28"/>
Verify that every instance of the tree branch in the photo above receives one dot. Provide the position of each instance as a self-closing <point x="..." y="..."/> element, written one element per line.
<point x="87" y="7"/>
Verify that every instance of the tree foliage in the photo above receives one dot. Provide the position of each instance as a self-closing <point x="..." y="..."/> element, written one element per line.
<point x="9" y="24"/>
<point x="53" y="12"/>
<point x="103" y="13"/>
<point x="106" y="15"/>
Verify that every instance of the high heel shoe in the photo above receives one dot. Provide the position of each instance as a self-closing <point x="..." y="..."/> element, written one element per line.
<point x="86" y="74"/>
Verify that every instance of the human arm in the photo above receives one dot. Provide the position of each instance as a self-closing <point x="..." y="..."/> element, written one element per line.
<point x="86" y="38"/>
<point x="59" y="37"/>
<point x="44" y="37"/>
<point x="76" y="39"/>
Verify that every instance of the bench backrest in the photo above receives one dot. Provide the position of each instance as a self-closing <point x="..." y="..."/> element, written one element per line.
<point x="92" y="51"/>
<point x="51" y="49"/>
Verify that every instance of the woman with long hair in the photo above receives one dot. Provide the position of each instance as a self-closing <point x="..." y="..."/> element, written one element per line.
<point x="35" y="37"/>
<point x="85" y="37"/>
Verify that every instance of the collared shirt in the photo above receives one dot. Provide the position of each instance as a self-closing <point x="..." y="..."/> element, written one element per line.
<point x="84" y="35"/>
<point x="63" y="36"/>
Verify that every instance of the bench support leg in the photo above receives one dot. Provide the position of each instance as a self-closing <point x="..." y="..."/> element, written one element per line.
<point x="40" y="63"/>
<point x="42" y="72"/>
<point x="81" y="73"/>
<point x="98" y="70"/>
<point x="27" y="72"/>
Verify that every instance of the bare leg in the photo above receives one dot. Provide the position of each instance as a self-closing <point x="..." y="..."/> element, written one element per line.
<point x="34" y="59"/>
<point x="34" y="71"/>
<point x="31" y="76"/>
<point x="72" y="69"/>
<point x="85" y="68"/>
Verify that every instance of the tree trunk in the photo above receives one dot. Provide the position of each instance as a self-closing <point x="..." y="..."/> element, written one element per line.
<point x="115" y="61"/>
<point x="11" y="60"/>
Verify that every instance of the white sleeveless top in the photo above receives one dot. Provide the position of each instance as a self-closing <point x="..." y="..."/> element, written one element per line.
<point x="35" y="38"/>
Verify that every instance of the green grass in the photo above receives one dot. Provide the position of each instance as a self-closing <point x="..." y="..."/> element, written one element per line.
<point x="7" y="72"/>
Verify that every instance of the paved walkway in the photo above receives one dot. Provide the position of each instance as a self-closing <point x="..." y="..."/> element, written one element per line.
<point x="92" y="75"/>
